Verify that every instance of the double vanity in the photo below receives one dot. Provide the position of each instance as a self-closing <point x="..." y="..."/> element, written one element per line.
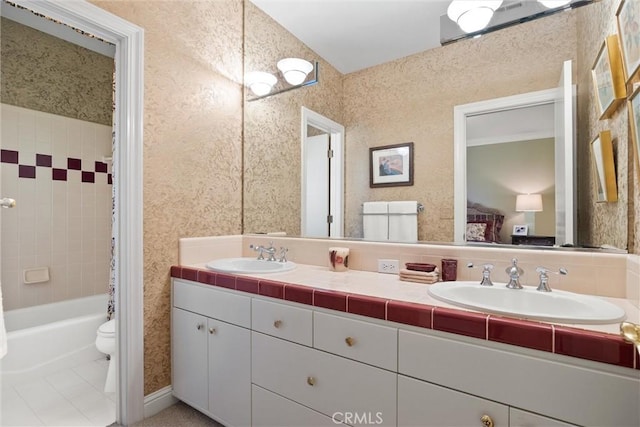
<point x="310" y="346"/>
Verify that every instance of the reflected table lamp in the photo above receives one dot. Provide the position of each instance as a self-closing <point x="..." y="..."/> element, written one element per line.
<point x="529" y="204"/>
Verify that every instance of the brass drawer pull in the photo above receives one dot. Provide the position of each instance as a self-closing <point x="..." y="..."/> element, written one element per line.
<point x="199" y="326"/>
<point x="277" y="324"/>
<point x="350" y="341"/>
<point x="311" y="381"/>
<point x="212" y="331"/>
<point x="486" y="421"/>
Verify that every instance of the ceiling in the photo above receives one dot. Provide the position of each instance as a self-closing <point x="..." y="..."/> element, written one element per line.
<point x="356" y="34"/>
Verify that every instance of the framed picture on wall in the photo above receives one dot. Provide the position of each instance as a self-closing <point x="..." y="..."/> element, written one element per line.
<point x="604" y="168"/>
<point x="634" y="122"/>
<point x="608" y="77"/>
<point x="391" y="165"/>
<point x="628" y="17"/>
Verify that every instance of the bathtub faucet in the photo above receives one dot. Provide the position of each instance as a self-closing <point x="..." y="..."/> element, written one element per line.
<point x="514" y="273"/>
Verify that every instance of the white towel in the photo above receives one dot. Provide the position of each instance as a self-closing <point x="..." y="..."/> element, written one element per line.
<point x="403" y="221"/>
<point x="375" y="221"/>
<point x="3" y="332"/>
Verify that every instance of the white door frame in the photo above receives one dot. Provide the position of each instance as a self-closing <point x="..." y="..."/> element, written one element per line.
<point x="460" y="114"/>
<point x="128" y="39"/>
<point x="336" y="130"/>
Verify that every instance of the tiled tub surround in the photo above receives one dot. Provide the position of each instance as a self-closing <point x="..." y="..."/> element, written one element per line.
<point x="385" y="297"/>
<point x="53" y="166"/>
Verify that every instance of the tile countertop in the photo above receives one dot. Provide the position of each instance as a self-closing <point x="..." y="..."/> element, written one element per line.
<point x="385" y="296"/>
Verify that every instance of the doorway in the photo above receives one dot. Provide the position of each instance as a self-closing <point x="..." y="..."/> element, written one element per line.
<point x="322" y="148"/>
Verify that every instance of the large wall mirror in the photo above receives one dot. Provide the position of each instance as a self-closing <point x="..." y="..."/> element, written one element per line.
<point x="412" y="99"/>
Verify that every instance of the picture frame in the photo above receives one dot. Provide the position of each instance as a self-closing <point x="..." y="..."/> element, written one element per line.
<point x="608" y="77"/>
<point x="634" y="124"/>
<point x="391" y="165"/>
<point x="520" y="230"/>
<point x="627" y="18"/>
<point x="605" y="186"/>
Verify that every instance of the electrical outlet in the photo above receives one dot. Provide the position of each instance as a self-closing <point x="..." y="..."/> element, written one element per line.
<point x="389" y="266"/>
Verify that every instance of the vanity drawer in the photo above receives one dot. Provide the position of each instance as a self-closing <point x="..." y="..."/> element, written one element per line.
<point x="282" y="321"/>
<point x="269" y="409"/>
<point x="322" y="381"/>
<point x="210" y="302"/>
<point x="366" y="342"/>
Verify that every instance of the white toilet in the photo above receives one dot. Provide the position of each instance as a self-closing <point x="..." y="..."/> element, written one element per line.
<point x="106" y="343"/>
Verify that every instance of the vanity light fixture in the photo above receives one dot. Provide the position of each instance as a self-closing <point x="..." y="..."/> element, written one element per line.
<point x="472" y="15"/>
<point x="260" y="82"/>
<point x="294" y="70"/>
<point x="553" y="4"/>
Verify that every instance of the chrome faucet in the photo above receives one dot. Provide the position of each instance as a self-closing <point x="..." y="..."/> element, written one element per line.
<point x="544" y="277"/>
<point x="514" y="273"/>
<point x="271" y="251"/>
<point x="486" y="273"/>
<point x="283" y="254"/>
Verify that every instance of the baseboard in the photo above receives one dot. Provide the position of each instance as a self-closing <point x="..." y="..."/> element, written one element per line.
<point x="158" y="400"/>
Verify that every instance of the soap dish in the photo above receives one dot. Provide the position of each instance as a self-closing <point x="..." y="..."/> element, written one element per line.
<point x="419" y="266"/>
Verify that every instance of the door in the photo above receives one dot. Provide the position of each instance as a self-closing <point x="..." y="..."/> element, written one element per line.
<point x="565" y="155"/>
<point x="189" y="361"/>
<point x="317" y="156"/>
<point x="322" y="176"/>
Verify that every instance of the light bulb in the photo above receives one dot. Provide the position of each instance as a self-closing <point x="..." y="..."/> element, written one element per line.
<point x="552" y="4"/>
<point x="260" y="82"/>
<point x="472" y="15"/>
<point x="294" y="70"/>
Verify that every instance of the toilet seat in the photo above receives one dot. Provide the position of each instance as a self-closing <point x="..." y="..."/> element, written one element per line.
<point x="107" y="329"/>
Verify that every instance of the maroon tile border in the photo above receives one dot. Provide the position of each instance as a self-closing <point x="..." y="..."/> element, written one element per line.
<point x="43" y="160"/>
<point x="583" y="344"/>
<point x="247" y="284"/>
<point x="59" y="174"/>
<point x="9" y="156"/>
<point x="88" y="176"/>
<point x="299" y="294"/>
<point x="25" y="171"/>
<point x="595" y="346"/>
<point x="410" y="313"/>
<point x="460" y="322"/>
<point x="538" y="336"/>
<point x="367" y="306"/>
<point x="101" y="167"/>
<point x="330" y="299"/>
<point x="74" y="164"/>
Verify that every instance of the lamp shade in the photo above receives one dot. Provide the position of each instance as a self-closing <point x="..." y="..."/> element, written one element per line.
<point x="260" y="82"/>
<point x="472" y="15"/>
<point x="294" y="70"/>
<point x="529" y="203"/>
<point x="552" y="4"/>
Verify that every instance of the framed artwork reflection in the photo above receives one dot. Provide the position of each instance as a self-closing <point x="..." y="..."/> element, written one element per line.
<point x="628" y="19"/>
<point x="391" y="165"/>
<point x="520" y="230"/>
<point x="608" y="77"/>
<point x="634" y="124"/>
<point x="604" y="168"/>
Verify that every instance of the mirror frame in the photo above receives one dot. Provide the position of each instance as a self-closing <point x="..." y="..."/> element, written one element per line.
<point x="460" y="114"/>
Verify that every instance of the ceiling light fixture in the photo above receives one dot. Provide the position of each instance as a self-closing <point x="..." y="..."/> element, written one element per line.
<point x="553" y="4"/>
<point x="260" y="82"/>
<point x="472" y="15"/>
<point x="294" y="70"/>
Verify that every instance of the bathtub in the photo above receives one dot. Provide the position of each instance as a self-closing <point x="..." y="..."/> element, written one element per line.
<point x="50" y="337"/>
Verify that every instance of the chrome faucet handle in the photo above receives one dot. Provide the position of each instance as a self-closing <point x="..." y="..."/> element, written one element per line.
<point x="514" y="272"/>
<point x="260" y="249"/>
<point x="543" y="286"/>
<point x="486" y="273"/>
<point x="283" y="254"/>
<point x="271" y="251"/>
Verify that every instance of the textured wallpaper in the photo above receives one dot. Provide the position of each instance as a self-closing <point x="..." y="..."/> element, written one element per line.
<point x="192" y="144"/>
<point x="61" y="65"/>
<point x="601" y="223"/>
<point x="272" y="127"/>
<point x="412" y="99"/>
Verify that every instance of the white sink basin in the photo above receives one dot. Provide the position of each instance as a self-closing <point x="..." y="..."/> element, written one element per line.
<point x="555" y="306"/>
<point x="249" y="266"/>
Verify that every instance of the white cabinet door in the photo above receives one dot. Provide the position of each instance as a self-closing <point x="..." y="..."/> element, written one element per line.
<point x="229" y="373"/>
<point x="272" y="410"/>
<point x="519" y="418"/>
<point x="189" y="362"/>
<point x="425" y="404"/>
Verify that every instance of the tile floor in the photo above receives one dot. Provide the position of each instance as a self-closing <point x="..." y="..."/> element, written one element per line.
<point x="69" y="397"/>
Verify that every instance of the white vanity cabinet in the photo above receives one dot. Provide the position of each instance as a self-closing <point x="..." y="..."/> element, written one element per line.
<point x="211" y="357"/>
